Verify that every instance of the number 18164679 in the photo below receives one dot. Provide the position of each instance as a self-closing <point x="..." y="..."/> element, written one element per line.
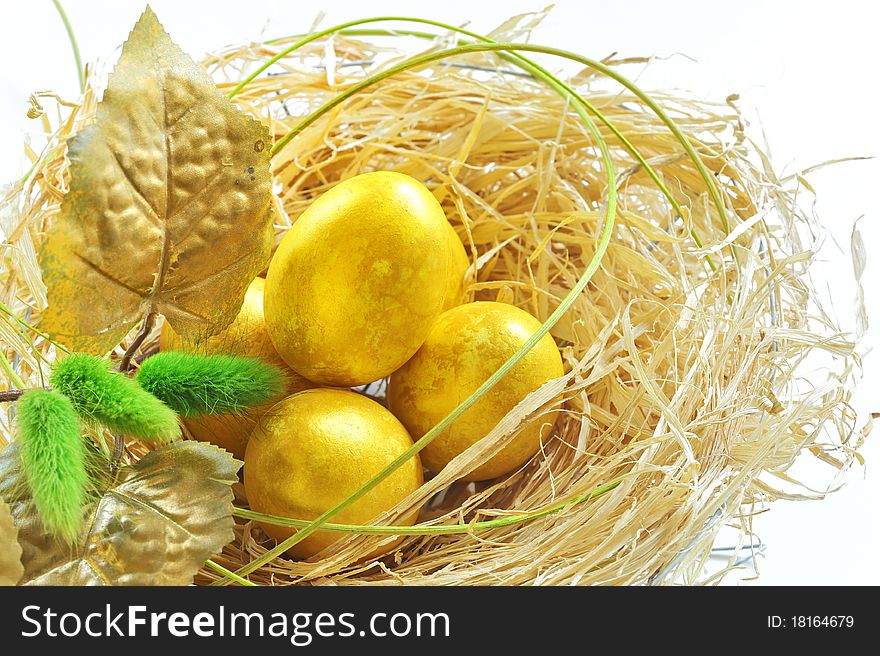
<point x="811" y="622"/>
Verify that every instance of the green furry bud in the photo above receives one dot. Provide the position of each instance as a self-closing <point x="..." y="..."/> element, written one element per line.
<point x="53" y="462"/>
<point x="109" y="398"/>
<point x="210" y="384"/>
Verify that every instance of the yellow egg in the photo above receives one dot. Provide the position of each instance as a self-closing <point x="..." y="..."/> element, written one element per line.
<point x="466" y="346"/>
<point x="359" y="279"/>
<point x="458" y="265"/>
<point x="314" y="449"/>
<point x="246" y="336"/>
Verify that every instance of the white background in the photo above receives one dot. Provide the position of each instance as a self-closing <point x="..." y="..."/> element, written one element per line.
<point x="807" y="75"/>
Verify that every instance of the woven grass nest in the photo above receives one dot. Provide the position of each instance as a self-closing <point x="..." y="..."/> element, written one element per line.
<point x="684" y="354"/>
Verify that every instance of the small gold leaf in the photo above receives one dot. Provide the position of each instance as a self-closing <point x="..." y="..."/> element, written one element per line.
<point x="10" y="551"/>
<point x="169" y="207"/>
<point x="155" y="524"/>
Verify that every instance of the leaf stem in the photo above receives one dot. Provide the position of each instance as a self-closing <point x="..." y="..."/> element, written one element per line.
<point x="12" y="395"/>
<point x="80" y="73"/>
<point x="445" y="529"/>
<point x="146" y="327"/>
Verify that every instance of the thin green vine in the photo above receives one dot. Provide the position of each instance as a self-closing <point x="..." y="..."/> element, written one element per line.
<point x="10" y="372"/>
<point x="592" y="267"/>
<point x="527" y="47"/>
<point x="541" y="73"/>
<point x="80" y="71"/>
<point x="445" y="529"/>
<point x="27" y="326"/>
<point x="217" y="567"/>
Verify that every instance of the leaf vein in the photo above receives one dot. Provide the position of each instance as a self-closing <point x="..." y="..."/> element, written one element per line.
<point x="201" y="282"/>
<point x="195" y="315"/>
<point x="97" y="570"/>
<point x="109" y="276"/>
<point x="134" y="501"/>
<point x="169" y="182"/>
<point x="137" y="190"/>
<point x="175" y="122"/>
<point x="177" y="211"/>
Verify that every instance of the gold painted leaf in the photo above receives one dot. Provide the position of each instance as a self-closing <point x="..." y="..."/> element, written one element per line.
<point x="169" y="207"/>
<point x="155" y="523"/>
<point x="10" y="551"/>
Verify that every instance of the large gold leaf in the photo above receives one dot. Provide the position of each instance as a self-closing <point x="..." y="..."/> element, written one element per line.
<point x="155" y="523"/>
<point x="169" y="204"/>
<point x="10" y="551"/>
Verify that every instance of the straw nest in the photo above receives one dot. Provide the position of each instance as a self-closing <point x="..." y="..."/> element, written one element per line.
<point x="684" y="382"/>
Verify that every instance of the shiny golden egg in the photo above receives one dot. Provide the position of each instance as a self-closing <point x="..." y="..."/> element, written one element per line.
<point x="357" y="282"/>
<point x="317" y="447"/>
<point x="246" y="336"/>
<point x="465" y="347"/>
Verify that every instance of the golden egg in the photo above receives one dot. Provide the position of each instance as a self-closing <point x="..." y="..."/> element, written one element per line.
<point x="458" y="265"/>
<point x="358" y="280"/>
<point x="314" y="449"/>
<point x="465" y="347"/>
<point x="246" y="336"/>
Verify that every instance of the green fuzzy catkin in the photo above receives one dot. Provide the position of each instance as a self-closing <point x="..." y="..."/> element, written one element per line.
<point x="114" y="400"/>
<point x="210" y="384"/>
<point x="53" y="461"/>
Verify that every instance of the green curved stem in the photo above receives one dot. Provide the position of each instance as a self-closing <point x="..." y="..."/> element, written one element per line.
<point x="409" y="64"/>
<point x="445" y="529"/>
<point x="217" y="567"/>
<point x="80" y="72"/>
<point x="24" y="324"/>
<point x="304" y="41"/>
<point x="10" y="372"/>
<point x="527" y="47"/>
<point x="533" y="68"/>
<point x="592" y="267"/>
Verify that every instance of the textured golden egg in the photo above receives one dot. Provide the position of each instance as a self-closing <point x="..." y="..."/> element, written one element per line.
<point x="358" y="280"/>
<point x="466" y="346"/>
<point x="247" y="336"/>
<point x="458" y="265"/>
<point x="314" y="449"/>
